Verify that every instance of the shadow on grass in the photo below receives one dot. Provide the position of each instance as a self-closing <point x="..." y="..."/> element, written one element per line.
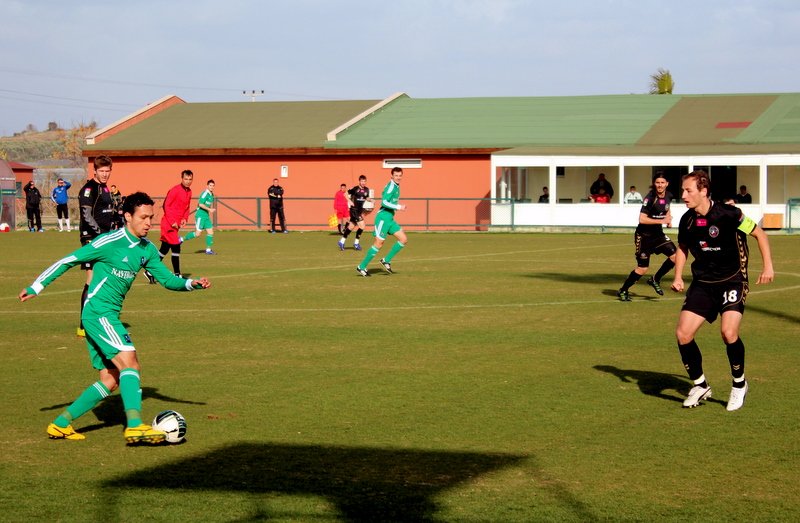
<point x="110" y="412"/>
<point x="775" y="314"/>
<point x="587" y="277"/>
<point x="364" y="484"/>
<point x="655" y="383"/>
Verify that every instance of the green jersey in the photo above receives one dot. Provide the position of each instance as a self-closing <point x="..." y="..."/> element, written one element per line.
<point x="390" y="198"/>
<point x="117" y="256"/>
<point x="207" y="199"/>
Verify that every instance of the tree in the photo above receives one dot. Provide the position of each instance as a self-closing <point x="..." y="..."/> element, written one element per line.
<point x="661" y="82"/>
<point x="72" y="142"/>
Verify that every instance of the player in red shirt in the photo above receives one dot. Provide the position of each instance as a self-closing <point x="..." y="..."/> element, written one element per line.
<point x="176" y="214"/>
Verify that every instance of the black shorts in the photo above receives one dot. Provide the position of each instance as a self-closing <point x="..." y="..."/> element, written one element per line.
<point x="709" y="300"/>
<point x="88" y="265"/>
<point x="646" y="246"/>
<point x="355" y="215"/>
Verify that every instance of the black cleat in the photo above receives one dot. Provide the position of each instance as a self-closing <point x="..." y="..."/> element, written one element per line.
<point x="655" y="285"/>
<point x="363" y="272"/>
<point x="387" y="266"/>
<point x="623" y="295"/>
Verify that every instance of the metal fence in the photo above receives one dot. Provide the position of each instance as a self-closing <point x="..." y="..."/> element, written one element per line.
<point x="253" y="213"/>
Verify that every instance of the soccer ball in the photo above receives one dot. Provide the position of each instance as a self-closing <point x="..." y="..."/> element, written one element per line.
<point x="172" y="423"/>
<point x="4" y="227"/>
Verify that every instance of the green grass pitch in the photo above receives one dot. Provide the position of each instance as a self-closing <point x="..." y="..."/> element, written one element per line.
<point x="494" y="377"/>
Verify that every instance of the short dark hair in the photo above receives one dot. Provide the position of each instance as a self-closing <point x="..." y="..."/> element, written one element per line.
<point x="362" y="177"/>
<point x="187" y="172"/>
<point x="701" y="177"/>
<point x="137" y="199"/>
<point x="397" y="170"/>
<point x="102" y="161"/>
<point x="211" y="181"/>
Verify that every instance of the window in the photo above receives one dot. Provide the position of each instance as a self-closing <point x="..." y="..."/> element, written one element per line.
<point x="404" y="163"/>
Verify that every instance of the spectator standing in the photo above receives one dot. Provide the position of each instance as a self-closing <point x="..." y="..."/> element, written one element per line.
<point x="33" y="206"/>
<point x="61" y="198"/>
<point x="601" y="183"/>
<point x="118" y="199"/>
<point x="743" y="196"/>
<point x="275" y="193"/>
<point x="342" y="208"/>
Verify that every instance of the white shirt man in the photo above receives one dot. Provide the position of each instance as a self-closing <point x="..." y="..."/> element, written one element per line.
<point x="632" y="196"/>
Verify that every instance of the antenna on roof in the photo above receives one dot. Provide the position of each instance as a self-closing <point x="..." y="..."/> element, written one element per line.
<point x="252" y="94"/>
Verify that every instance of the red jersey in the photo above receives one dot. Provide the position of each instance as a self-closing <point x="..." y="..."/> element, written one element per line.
<point x="176" y="211"/>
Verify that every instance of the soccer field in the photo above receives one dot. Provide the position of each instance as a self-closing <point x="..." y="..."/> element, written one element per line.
<point x="494" y="377"/>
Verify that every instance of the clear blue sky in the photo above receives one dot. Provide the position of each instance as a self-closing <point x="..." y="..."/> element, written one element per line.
<point x="80" y="61"/>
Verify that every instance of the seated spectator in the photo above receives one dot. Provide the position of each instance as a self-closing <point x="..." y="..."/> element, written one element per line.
<point x="743" y="196"/>
<point x="545" y="197"/>
<point x="601" y="197"/>
<point x="633" y="196"/>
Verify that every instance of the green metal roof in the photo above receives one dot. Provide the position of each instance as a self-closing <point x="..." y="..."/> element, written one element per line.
<point x="243" y="125"/>
<point x="507" y="122"/>
<point x="618" y="124"/>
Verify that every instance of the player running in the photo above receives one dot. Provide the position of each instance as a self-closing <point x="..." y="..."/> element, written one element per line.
<point x="650" y="239"/>
<point x="360" y="205"/>
<point x="716" y="235"/>
<point x="202" y="217"/>
<point x="385" y="225"/>
<point x="117" y="257"/>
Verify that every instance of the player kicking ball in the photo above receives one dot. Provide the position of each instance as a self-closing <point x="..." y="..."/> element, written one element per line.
<point x="117" y="256"/>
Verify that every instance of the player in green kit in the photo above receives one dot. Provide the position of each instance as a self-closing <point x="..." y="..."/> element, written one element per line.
<point x="117" y="256"/>
<point x="202" y="218"/>
<point x="386" y="226"/>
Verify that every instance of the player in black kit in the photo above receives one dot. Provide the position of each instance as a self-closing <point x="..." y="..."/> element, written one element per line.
<point x="716" y="235"/>
<point x="97" y="215"/>
<point x="360" y="202"/>
<point x="650" y="239"/>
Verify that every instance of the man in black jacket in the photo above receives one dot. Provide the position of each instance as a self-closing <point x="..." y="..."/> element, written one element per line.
<point x="97" y="215"/>
<point x="33" y="200"/>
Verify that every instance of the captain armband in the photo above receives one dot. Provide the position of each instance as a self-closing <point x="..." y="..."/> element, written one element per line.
<point x="747" y="226"/>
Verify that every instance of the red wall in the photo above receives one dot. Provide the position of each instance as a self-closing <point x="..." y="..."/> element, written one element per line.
<point x="441" y="176"/>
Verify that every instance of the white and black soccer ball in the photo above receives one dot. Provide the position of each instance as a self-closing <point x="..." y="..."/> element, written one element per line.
<point x="172" y="423"/>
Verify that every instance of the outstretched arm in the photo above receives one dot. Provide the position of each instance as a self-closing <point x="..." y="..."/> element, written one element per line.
<point x="767" y="273"/>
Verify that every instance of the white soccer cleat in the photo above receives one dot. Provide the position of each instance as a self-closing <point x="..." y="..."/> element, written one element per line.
<point x="696" y="395"/>
<point x="736" y="400"/>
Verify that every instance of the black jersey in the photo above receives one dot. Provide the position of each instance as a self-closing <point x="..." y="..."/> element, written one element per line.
<point x="359" y="195"/>
<point x="718" y="242"/>
<point x="657" y="208"/>
<point x="97" y="210"/>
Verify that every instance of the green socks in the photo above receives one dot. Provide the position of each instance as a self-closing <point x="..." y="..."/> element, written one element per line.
<point x="85" y="402"/>
<point x="371" y="253"/>
<point x="130" y="389"/>
<point x="393" y="251"/>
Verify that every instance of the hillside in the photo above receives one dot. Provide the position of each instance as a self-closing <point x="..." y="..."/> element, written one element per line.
<point x="46" y="147"/>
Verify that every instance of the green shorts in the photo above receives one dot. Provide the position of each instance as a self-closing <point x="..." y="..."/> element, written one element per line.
<point x="385" y="225"/>
<point x="105" y="338"/>
<point x="202" y="222"/>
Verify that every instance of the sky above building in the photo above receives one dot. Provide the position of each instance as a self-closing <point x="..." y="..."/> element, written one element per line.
<point x="81" y="61"/>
